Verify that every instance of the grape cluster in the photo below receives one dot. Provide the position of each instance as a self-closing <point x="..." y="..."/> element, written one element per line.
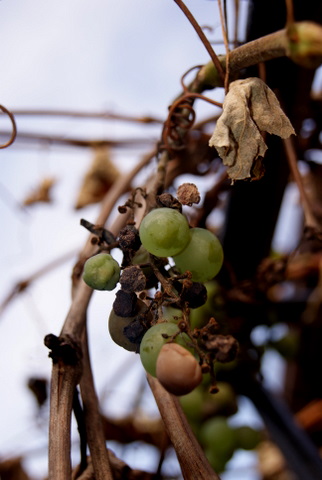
<point x="166" y="255"/>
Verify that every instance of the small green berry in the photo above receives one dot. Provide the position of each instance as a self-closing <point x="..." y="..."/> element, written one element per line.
<point x="101" y="272"/>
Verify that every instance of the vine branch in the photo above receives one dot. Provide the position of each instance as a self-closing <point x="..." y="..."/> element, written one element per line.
<point x="14" y="127"/>
<point x="194" y="464"/>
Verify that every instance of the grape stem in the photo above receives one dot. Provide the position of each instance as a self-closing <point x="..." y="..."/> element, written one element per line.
<point x="193" y="462"/>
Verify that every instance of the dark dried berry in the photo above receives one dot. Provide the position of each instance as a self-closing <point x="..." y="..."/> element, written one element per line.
<point x="125" y="304"/>
<point x="195" y="295"/>
<point x="129" y="238"/>
<point x="134" y="331"/>
<point x="133" y="279"/>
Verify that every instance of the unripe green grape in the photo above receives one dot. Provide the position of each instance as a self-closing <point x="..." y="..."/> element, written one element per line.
<point x="203" y="256"/>
<point x="218" y="462"/>
<point x="164" y="232"/>
<point x="101" y="272"/>
<point x="141" y="256"/>
<point x="153" y="341"/>
<point x="192" y="404"/>
<point x="171" y="314"/>
<point x="224" y="402"/>
<point x="217" y="436"/>
<point x="247" y="437"/>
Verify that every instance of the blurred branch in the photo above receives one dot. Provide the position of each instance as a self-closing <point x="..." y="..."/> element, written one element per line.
<point x="75" y="142"/>
<point x="13" y="133"/>
<point x="310" y="219"/>
<point x="22" y="285"/>
<point x="91" y="115"/>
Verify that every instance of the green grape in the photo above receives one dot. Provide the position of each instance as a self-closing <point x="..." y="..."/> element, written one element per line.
<point x="101" y="272"/>
<point x="203" y="256"/>
<point x="224" y="402"/>
<point x="171" y="314"/>
<point x="192" y="404"/>
<point x="217" y="436"/>
<point x="164" y="232"/>
<point x="218" y="462"/>
<point x="247" y="437"/>
<point x="153" y="340"/>
<point x="141" y="256"/>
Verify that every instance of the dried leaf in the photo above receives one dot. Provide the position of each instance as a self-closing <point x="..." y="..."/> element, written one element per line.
<point x="250" y="108"/>
<point x="42" y="192"/>
<point x="98" y="179"/>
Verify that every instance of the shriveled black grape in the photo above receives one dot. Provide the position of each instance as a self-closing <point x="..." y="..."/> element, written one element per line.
<point x="128" y="331"/>
<point x="116" y="325"/>
<point x="133" y="279"/>
<point x="196" y="295"/>
<point x="125" y="304"/>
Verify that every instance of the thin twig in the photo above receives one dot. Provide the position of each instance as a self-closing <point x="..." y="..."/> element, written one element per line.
<point x="78" y="142"/>
<point x="91" y="115"/>
<point x="236" y="23"/>
<point x="310" y="218"/>
<point x="22" y="285"/>
<point x="289" y="12"/>
<point x="223" y="21"/>
<point x="202" y="37"/>
<point x="14" y="127"/>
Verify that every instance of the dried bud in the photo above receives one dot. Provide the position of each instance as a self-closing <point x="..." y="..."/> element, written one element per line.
<point x="177" y="369"/>
<point x="169" y="201"/>
<point x="133" y="279"/>
<point x="188" y="194"/>
<point x="224" y="347"/>
<point x="129" y="238"/>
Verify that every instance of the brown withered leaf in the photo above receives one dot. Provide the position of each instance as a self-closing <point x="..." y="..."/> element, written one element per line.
<point x="42" y="193"/>
<point x="99" y="178"/>
<point x="250" y="108"/>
